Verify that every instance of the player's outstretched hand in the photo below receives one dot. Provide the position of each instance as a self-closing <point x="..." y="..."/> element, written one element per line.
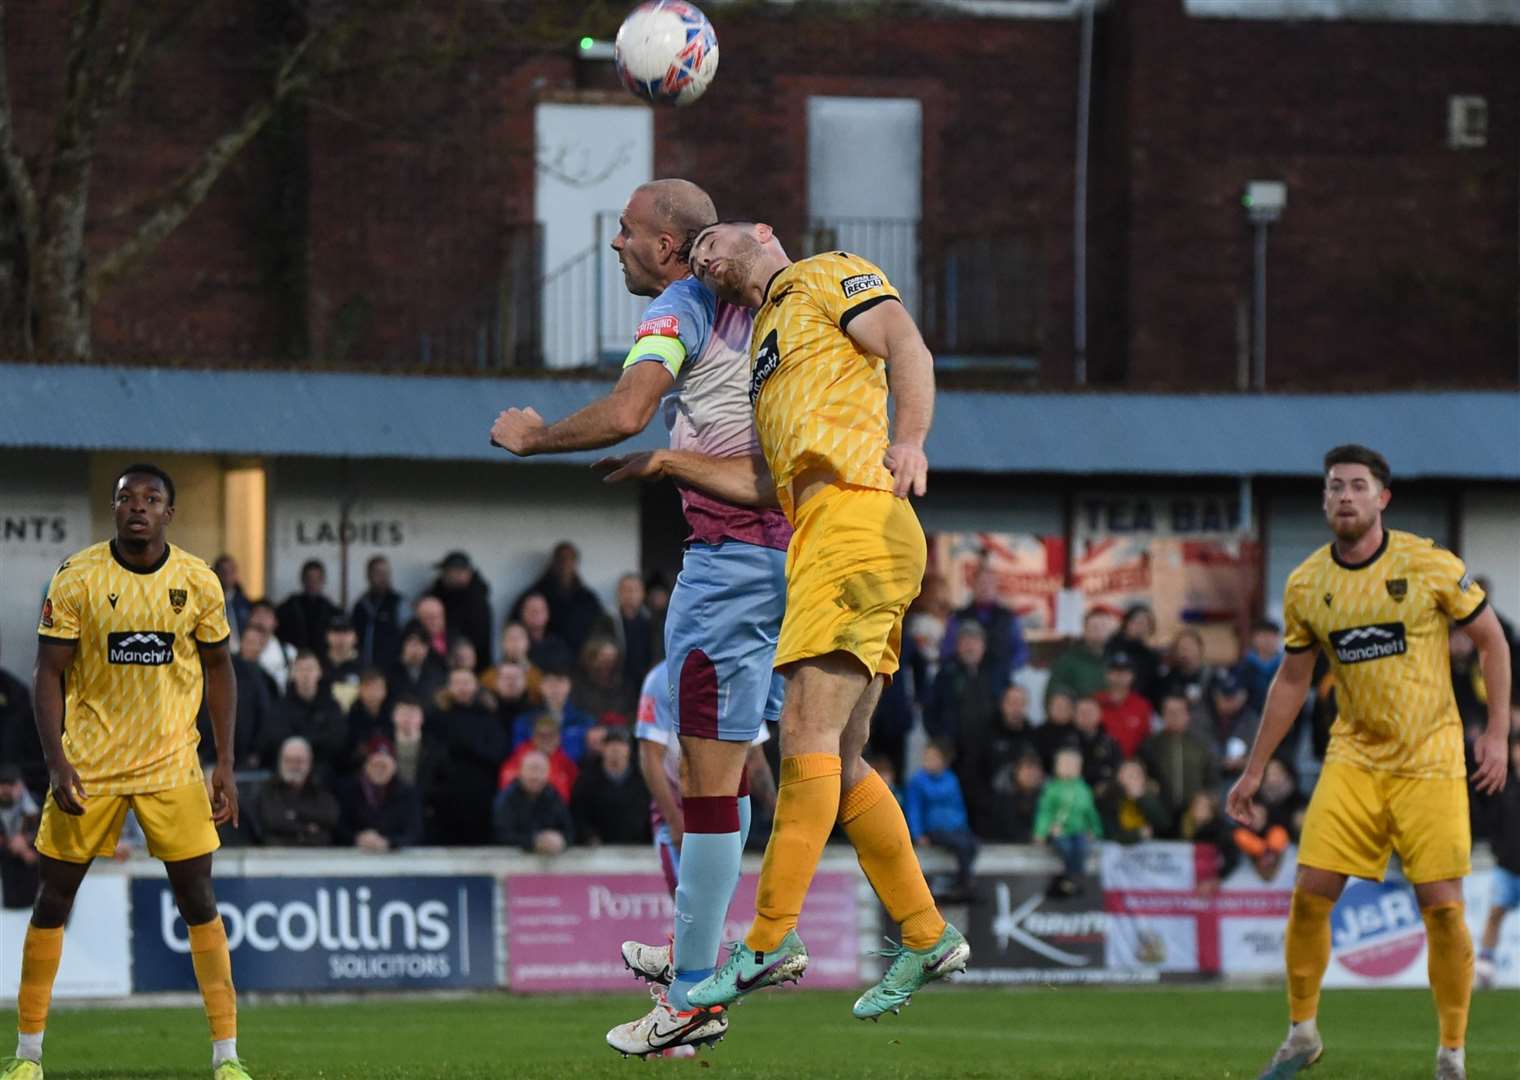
<point x="1492" y="755"/>
<point x="224" y="795"/>
<point x="1242" y="796"/>
<point x="644" y="465"/>
<point x="909" y="468"/>
<point x="514" y="430"/>
<point x="68" y="789"/>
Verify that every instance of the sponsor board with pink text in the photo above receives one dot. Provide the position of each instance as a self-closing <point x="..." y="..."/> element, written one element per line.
<point x="564" y="930"/>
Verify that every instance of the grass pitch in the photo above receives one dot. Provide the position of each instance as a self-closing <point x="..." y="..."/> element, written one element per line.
<point x="1059" y="1034"/>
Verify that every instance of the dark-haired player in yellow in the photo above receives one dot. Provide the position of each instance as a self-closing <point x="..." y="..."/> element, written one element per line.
<point x="126" y="629"/>
<point x="1380" y="604"/>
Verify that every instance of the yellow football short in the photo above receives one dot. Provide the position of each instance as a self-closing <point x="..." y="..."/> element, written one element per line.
<point x="855" y="563"/>
<point x="1357" y="817"/>
<point x="176" y="822"/>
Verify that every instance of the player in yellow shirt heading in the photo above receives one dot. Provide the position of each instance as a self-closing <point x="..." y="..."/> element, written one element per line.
<point x="830" y="339"/>
<point x="1380" y="604"/>
<point x="125" y="632"/>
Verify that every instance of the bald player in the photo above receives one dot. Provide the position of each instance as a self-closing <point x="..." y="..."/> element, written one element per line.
<point x="691" y="351"/>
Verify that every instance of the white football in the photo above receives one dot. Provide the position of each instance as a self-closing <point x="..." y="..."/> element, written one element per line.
<point x="666" y="52"/>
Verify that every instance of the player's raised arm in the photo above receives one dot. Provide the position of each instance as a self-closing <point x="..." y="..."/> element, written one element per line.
<point x="53" y="659"/>
<point x="888" y="331"/>
<point x="743" y="480"/>
<point x="1492" y="748"/>
<point x="1284" y="700"/>
<point x="623" y="413"/>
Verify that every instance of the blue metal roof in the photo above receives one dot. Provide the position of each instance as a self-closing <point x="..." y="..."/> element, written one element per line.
<point x="1472" y="435"/>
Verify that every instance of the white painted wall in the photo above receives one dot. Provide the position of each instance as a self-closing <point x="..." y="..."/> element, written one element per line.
<point x="44" y="518"/>
<point x="1491" y="543"/>
<point x="506" y="517"/>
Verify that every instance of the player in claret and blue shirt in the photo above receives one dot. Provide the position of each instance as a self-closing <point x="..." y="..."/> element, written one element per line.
<point x="691" y="356"/>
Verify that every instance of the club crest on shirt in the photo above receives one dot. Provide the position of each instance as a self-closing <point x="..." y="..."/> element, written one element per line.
<point x="1398" y="588"/>
<point x="1328" y="598"/>
<point x="177" y="600"/>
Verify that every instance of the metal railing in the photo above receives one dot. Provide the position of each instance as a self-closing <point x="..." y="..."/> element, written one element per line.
<point x="977" y="298"/>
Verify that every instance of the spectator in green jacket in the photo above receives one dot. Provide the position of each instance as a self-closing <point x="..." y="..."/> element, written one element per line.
<point x="1179" y="761"/>
<point x="1080" y="670"/>
<point x="1067" y="819"/>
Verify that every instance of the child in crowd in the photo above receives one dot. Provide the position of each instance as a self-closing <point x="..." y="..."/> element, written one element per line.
<point x="1068" y="820"/>
<point x="936" y="812"/>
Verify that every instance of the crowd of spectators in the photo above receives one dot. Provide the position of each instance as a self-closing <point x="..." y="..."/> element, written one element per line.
<point x="394" y="724"/>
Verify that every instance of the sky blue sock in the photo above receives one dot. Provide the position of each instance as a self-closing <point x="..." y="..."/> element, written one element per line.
<point x="744" y="815"/>
<point x="709" y="872"/>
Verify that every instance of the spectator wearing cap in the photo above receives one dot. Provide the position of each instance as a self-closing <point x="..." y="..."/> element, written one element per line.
<point x="1235" y="722"/>
<point x="340" y="660"/>
<point x="574" y="610"/>
<point x="1136" y="632"/>
<point x="529" y="814"/>
<point x="379" y="616"/>
<point x="477" y="745"/>
<point x="1080" y="670"/>
<point x="554" y="688"/>
<point x="1006" y="649"/>
<point x="1126" y="715"/>
<point x="1259" y="665"/>
<point x="609" y="801"/>
<point x="466" y="602"/>
<point x="380" y="811"/>
<point x="418" y="671"/>
<point x="308" y="710"/>
<point x="546" y="740"/>
<point x="963" y="706"/>
<point x="634" y="630"/>
<point x="293" y="809"/>
<point x="19" y="817"/>
<point x="598" y="688"/>
<point x="304" y="615"/>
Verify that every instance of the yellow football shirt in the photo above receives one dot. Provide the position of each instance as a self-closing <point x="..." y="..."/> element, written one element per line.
<point x="1383" y="625"/>
<point x="820" y="399"/>
<point x="133" y="689"/>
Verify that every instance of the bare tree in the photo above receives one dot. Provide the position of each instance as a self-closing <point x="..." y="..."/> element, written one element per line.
<point x="50" y="274"/>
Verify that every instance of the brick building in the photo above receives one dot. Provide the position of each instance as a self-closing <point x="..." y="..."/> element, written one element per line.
<point x="390" y="222"/>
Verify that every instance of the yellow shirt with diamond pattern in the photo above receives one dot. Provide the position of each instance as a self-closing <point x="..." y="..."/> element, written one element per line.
<point x="1383" y="626"/>
<point x="820" y="399"/>
<point x="133" y="688"/>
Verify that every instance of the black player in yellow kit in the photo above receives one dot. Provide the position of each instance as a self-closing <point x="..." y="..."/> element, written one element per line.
<point x="1380" y="604"/>
<point x="126" y="632"/>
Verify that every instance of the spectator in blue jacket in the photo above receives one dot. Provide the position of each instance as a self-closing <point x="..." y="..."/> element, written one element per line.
<point x="937" y="811"/>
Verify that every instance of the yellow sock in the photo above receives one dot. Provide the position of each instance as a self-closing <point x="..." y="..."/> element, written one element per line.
<point x="1308" y="952"/>
<point x="1450" y="964"/>
<point x="876" y="827"/>
<point x="213" y="973"/>
<point x="807" y="801"/>
<point x="39" y="967"/>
